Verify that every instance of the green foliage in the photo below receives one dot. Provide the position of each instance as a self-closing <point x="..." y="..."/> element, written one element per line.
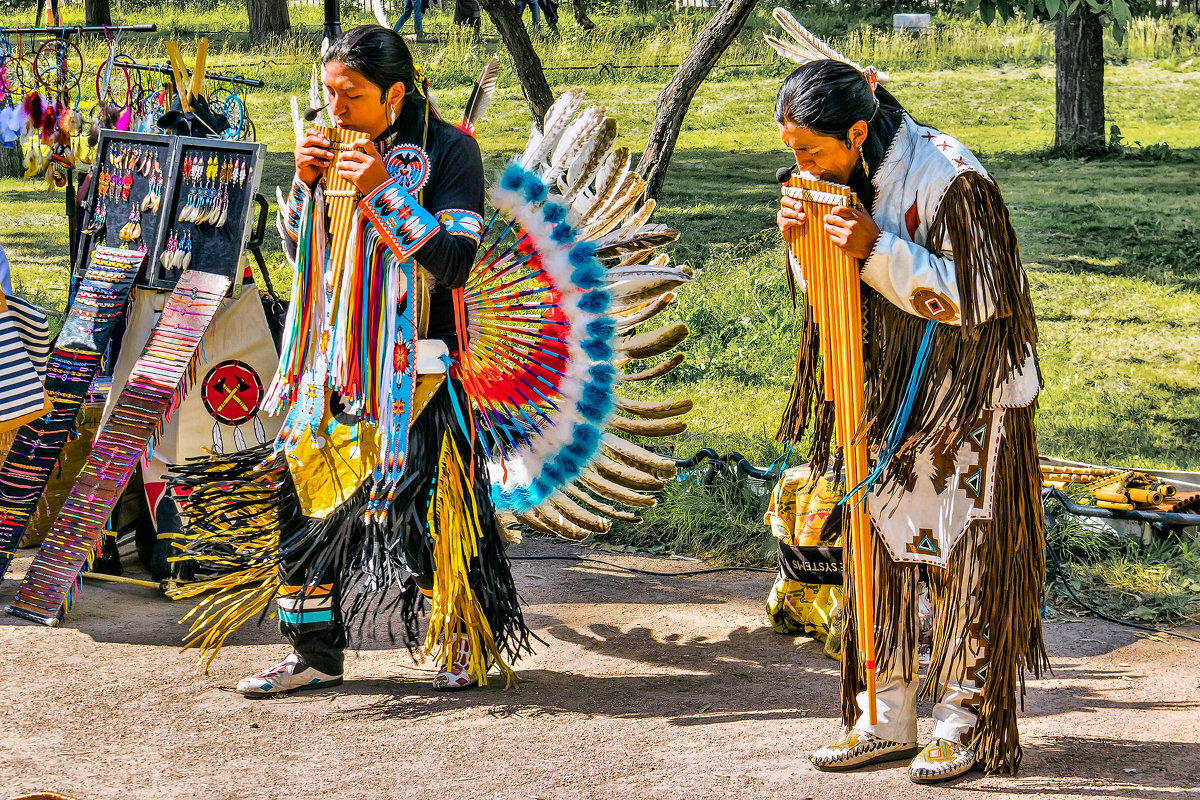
<point x="1157" y="583"/>
<point x="1115" y="15"/>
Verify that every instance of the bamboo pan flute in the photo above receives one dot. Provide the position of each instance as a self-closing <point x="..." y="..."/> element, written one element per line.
<point x="834" y="296"/>
<point x="341" y="195"/>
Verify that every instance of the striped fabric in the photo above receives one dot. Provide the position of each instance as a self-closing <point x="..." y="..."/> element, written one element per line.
<point x="33" y="329"/>
<point x="300" y="605"/>
<point x="50" y="584"/>
<point x="22" y="396"/>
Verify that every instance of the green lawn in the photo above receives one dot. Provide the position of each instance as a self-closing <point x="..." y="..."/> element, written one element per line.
<point x="1111" y="247"/>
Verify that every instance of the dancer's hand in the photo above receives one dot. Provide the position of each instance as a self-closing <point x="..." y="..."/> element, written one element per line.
<point x="790" y="217"/>
<point x="363" y="166"/>
<point x="312" y="157"/>
<point x="852" y="230"/>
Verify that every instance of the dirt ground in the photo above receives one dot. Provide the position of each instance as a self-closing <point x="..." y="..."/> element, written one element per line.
<point x="646" y="688"/>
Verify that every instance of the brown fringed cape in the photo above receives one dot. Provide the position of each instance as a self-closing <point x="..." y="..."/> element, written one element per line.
<point x="1004" y="556"/>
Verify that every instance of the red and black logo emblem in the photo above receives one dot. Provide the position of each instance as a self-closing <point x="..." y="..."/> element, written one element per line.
<point x="232" y="392"/>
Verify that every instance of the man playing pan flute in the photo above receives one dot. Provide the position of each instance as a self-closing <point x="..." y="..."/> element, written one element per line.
<point x="951" y="382"/>
<point x="380" y="482"/>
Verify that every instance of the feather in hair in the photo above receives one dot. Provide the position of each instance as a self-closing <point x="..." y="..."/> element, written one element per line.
<point x="380" y="14"/>
<point x="481" y="93"/>
<point x="808" y="47"/>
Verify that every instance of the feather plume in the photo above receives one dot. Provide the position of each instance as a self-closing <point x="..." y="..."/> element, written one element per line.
<point x="623" y="201"/>
<point x="656" y="371"/>
<point x="558" y="116"/>
<point x="637" y="243"/>
<point x="807" y="47"/>
<point x="638" y="456"/>
<point x="297" y="124"/>
<point x="577" y="134"/>
<point x="481" y="93"/>
<point x="628" y="319"/>
<point x="636" y="296"/>
<point x="318" y="97"/>
<point x="637" y="218"/>
<point x="611" y="490"/>
<point x="576" y="514"/>
<point x="627" y="476"/>
<point x="612" y="173"/>
<point x="587" y="163"/>
<point x="653" y="343"/>
<point x="533" y="521"/>
<point x="559" y="524"/>
<point x="612" y="512"/>
<point x="650" y="409"/>
<point x="647" y="427"/>
<point x="380" y="14"/>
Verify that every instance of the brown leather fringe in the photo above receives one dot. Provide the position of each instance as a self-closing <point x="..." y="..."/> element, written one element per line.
<point x="1002" y="563"/>
<point x="806" y="405"/>
<point x="972" y="359"/>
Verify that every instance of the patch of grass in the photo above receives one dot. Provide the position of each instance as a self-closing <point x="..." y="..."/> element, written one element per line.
<point x="1151" y="584"/>
<point x="721" y="523"/>
<point x="1110" y="244"/>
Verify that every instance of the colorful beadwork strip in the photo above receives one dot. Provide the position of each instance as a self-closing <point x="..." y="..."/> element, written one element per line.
<point x="155" y="385"/>
<point x="98" y="304"/>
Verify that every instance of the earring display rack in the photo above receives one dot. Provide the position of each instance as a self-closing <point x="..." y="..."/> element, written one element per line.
<point x="184" y="201"/>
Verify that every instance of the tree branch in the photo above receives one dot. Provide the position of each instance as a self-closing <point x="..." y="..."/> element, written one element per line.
<point x="675" y="98"/>
<point x="525" y="61"/>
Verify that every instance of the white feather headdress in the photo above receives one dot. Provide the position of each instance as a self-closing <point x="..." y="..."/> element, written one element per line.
<point x="808" y="48"/>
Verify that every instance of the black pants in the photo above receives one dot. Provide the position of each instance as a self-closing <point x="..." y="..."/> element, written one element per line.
<point x="337" y="571"/>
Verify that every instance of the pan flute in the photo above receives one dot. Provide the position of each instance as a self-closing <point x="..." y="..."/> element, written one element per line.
<point x="341" y="195"/>
<point x="834" y="298"/>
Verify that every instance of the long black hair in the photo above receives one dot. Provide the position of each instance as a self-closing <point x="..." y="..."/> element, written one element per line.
<point x="379" y="54"/>
<point x="828" y="97"/>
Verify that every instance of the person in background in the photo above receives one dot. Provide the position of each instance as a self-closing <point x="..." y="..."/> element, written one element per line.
<point x="416" y="10"/>
<point x="550" y="12"/>
<point x="533" y="9"/>
<point x="466" y="13"/>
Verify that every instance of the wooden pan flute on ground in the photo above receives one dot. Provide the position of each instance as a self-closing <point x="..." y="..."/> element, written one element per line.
<point x="834" y="297"/>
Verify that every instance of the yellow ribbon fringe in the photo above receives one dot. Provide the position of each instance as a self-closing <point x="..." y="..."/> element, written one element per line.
<point x="454" y="524"/>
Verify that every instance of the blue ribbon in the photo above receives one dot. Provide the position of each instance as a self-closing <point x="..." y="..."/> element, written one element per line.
<point x="458" y="413"/>
<point x="896" y="431"/>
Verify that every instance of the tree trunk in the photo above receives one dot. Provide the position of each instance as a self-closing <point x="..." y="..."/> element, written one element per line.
<point x="1079" y="80"/>
<point x="581" y="16"/>
<point x="96" y="12"/>
<point x="676" y="96"/>
<point x="12" y="163"/>
<point x="267" y="17"/>
<point x="524" y="58"/>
